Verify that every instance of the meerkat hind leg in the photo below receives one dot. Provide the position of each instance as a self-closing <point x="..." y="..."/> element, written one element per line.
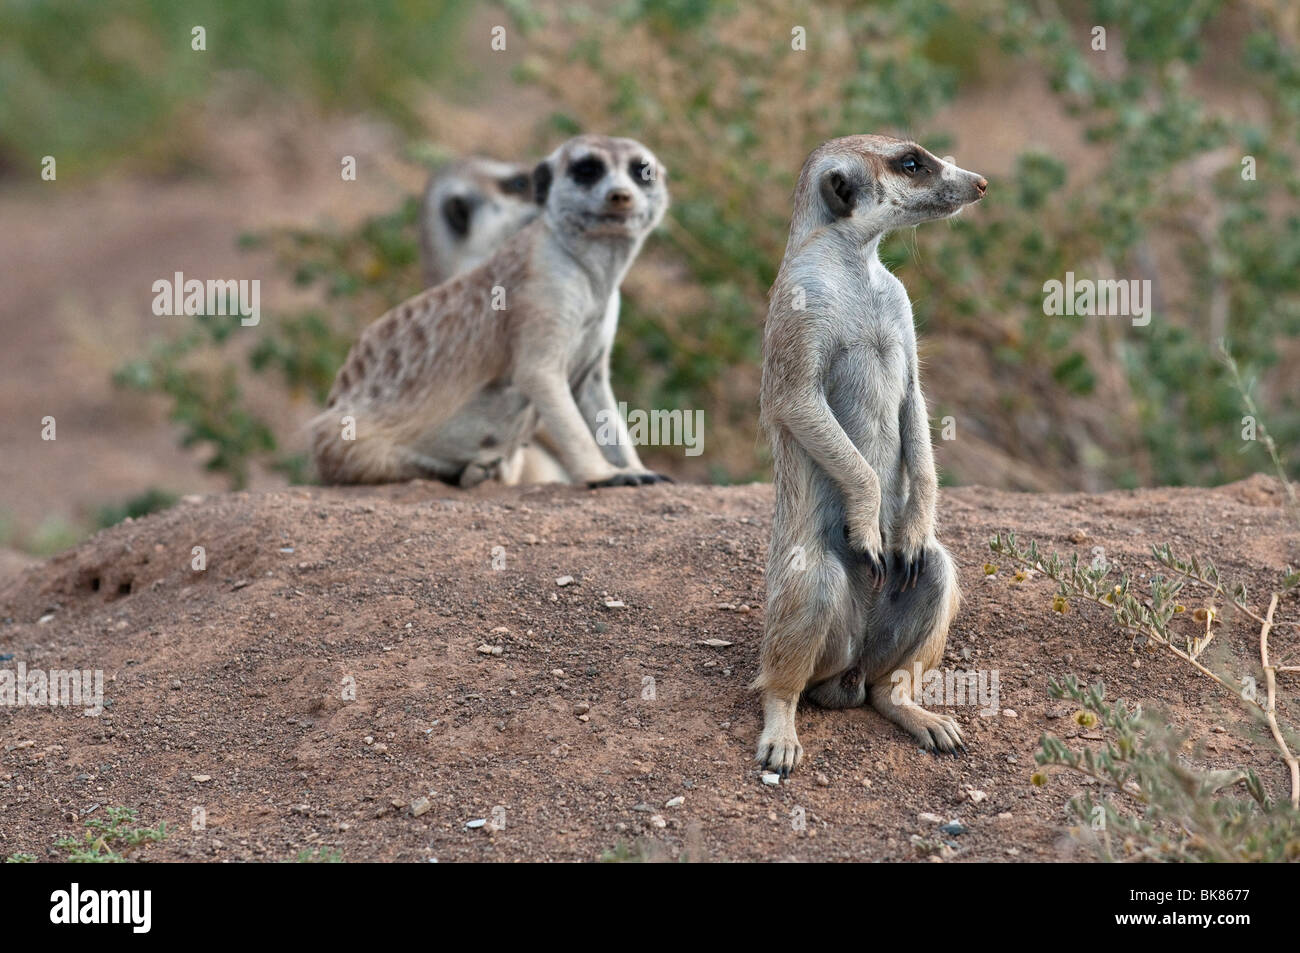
<point x="779" y="749"/>
<point x="933" y="732"/>
<point x="806" y="641"/>
<point x="917" y="619"/>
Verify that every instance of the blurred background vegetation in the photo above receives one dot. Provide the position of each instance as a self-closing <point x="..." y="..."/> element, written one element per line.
<point x="1124" y="162"/>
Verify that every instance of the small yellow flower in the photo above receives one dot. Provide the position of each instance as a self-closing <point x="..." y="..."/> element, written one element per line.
<point x="1038" y="779"/>
<point x="1020" y="576"/>
<point x="1084" y="719"/>
<point x="1060" y="604"/>
<point x="990" y="569"/>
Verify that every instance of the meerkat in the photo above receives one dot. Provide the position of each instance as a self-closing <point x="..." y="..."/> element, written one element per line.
<point x="858" y="585"/>
<point x="455" y="382"/>
<point x="469" y="208"/>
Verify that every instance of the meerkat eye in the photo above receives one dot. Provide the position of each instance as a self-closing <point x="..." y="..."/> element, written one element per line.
<point x="911" y="166"/>
<point x="515" y="184"/>
<point x="642" y="172"/>
<point x="587" y="171"/>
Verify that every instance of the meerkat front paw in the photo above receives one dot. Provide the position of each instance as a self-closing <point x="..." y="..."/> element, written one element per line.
<point x="907" y="565"/>
<point x="779" y="749"/>
<point x="865" y="541"/>
<point x="631" y="478"/>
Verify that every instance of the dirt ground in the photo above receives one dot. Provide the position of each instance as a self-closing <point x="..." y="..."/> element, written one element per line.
<point x="225" y="688"/>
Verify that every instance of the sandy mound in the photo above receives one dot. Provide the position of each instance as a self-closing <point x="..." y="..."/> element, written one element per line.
<point x="225" y="688"/>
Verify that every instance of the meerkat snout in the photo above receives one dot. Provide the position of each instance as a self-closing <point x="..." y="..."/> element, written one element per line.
<point x="619" y="199"/>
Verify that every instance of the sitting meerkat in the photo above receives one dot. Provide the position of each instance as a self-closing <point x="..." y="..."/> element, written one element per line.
<point x="455" y="382"/>
<point x="469" y="208"/>
<point x="858" y="586"/>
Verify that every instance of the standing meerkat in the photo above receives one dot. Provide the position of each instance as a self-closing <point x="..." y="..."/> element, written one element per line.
<point x="454" y="383"/>
<point x="858" y="586"/>
<point x="469" y="208"/>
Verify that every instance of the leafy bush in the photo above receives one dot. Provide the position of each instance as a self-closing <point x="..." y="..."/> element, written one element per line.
<point x="1181" y="814"/>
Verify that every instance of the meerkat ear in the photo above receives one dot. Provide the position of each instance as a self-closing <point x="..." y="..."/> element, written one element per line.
<point x="455" y="210"/>
<point x="542" y="182"/>
<point x="838" y="193"/>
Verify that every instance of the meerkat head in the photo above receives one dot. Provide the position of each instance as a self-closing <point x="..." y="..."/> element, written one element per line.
<point x="872" y="184"/>
<point x="470" y="208"/>
<point x="602" y="187"/>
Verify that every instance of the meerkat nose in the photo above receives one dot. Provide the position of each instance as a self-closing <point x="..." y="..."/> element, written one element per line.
<point x="982" y="185"/>
<point x="619" y="198"/>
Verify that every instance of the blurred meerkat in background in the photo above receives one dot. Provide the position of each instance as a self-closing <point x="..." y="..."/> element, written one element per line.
<point x="469" y="208"/>
<point x="455" y="382"/>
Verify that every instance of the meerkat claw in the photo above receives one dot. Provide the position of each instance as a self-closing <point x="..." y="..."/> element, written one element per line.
<point x="618" y="479"/>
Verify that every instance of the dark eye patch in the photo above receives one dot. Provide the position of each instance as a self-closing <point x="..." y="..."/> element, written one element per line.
<point x="456" y="212"/>
<point x="519" y="184"/>
<point x="587" y="171"/>
<point x="911" y="163"/>
<point x="642" y="172"/>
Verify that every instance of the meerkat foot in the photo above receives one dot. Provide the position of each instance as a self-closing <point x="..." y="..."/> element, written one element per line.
<point x="474" y="474"/>
<point x="779" y="749"/>
<point x="778" y="746"/>
<point x="933" y="732"/>
<point x="630" y="479"/>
